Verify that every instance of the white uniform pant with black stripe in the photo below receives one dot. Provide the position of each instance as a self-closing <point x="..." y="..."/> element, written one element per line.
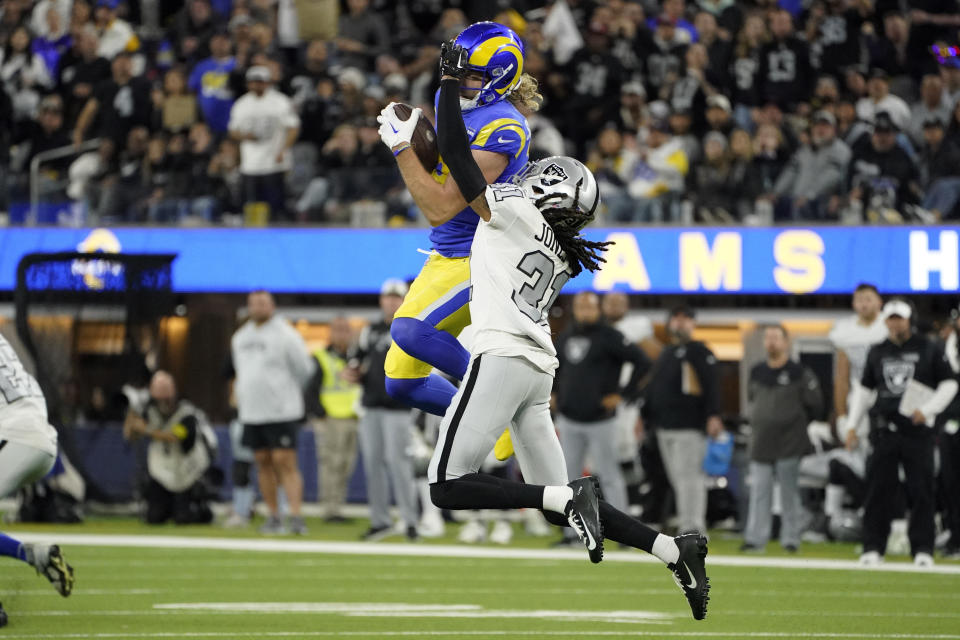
<point x="500" y="391"/>
<point x="21" y="465"/>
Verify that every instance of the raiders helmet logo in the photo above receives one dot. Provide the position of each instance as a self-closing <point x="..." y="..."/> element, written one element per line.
<point x="576" y="349"/>
<point x="896" y="374"/>
<point x="553" y="174"/>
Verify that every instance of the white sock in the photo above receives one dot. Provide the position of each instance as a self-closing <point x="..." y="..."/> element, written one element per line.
<point x="666" y="549"/>
<point x="833" y="500"/>
<point x="556" y="498"/>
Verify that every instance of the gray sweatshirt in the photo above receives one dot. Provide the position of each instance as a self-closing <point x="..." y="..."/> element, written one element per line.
<point x="782" y="403"/>
<point x="813" y="172"/>
<point x="272" y="365"/>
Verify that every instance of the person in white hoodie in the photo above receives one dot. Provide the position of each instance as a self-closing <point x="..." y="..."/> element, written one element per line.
<point x="272" y="366"/>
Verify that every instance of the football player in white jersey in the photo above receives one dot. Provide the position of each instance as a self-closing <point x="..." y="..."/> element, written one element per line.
<point x="28" y="450"/>
<point x="852" y="338"/>
<point x="526" y="247"/>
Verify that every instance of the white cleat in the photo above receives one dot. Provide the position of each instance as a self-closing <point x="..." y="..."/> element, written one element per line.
<point x="502" y="532"/>
<point x="923" y="560"/>
<point x="870" y="559"/>
<point x="473" y="532"/>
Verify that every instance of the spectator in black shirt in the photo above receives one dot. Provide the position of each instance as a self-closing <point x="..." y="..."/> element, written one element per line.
<point x="889" y="51"/>
<point x="785" y="73"/>
<point x="595" y="76"/>
<point x="893" y="367"/>
<point x="882" y="178"/>
<point x="384" y="429"/>
<point x="192" y="28"/>
<point x="81" y="70"/>
<point x="587" y="392"/>
<point x="124" y="191"/>
<point x="940" y="169"/>
<point x="719" y="50"/>
<point x="664" y="57"/>
<point x="745" y="67"/>
<point x="683" y="408"/>
<point x="833" y="31"/>
<point x="116" y="105"/>
<point x="42" y="134"/>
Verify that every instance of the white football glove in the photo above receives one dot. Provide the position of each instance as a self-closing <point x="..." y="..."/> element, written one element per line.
<point x="393" y="130"/>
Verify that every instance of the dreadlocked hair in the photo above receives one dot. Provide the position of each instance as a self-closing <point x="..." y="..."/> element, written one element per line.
<point x="580" y="253"/>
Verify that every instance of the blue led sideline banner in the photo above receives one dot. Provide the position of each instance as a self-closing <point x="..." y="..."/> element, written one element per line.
<point x="654" y="260"/>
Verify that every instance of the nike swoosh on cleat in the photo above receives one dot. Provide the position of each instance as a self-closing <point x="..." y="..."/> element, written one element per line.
<point x="693" y="581"/>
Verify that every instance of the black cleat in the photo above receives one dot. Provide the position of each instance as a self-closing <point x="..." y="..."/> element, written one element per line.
<point x="690" y="572"/>
<point x="49" y="562"/>
<point x="3" y="617"/>
<point x="584" y="516"/>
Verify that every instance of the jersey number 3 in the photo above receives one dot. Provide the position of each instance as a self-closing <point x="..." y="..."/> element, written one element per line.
<point x="530" y="298"/>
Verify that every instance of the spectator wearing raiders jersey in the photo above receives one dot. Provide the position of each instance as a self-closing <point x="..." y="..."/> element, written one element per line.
<point x="784" y="397"/>
<point x="587" y="393"/>
<point x="896" y="367"/>
<point x="596" y="76"/>
<point x="384" y="429"/>
<point x="116" y="105"/>
<point x="682" y="403"/>
<point x="833" y="31"/>
<point x="785" y="73"/>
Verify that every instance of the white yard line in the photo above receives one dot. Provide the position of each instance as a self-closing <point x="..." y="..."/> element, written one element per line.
<point x="486" y="633"/>
<point x="288" y="545"/>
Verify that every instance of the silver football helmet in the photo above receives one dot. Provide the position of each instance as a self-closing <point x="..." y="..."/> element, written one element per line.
<point x="561" y="182"/>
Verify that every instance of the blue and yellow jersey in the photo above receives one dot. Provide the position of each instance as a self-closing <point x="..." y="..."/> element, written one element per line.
<point x="499" y="128"/>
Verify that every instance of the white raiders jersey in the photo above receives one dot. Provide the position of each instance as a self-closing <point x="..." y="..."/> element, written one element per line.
<point x="855" y="340"/>
<point x="517" y="269"/>
<point x="23" y="411"/>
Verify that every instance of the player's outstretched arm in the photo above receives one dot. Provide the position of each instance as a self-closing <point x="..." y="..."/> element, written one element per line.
<point x="438" y="202"/>
<point x="452" y="133"/>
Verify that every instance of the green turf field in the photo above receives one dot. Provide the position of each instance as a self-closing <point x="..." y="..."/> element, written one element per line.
<point x="143" y="592"/>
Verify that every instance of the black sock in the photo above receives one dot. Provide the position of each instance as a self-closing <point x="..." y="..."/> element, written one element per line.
<point x="483" y="491"/>
<point x="620" y="527"/>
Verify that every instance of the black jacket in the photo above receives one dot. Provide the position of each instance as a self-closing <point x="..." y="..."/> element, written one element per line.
<point x="783" y="401"/>
<point x="371" y="353"/>
<point x="591" y="359"/>
<point x="684" y="388"/>
<point x="890" y="367"/>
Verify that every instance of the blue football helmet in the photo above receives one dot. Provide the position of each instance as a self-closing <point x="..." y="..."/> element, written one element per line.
<point x="496" y="52"/>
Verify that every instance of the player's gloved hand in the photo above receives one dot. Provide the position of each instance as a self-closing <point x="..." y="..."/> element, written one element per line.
<point x="453" y="60"/>
<point x="393" y="130"/>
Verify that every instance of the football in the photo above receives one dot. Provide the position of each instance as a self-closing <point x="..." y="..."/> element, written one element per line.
<point x="424" y="140"/>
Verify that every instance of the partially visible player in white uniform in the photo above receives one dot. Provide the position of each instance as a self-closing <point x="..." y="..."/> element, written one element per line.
<point x="28" y="450"/>
<point x="852" y="338"/>
<point x="525" y="249"/>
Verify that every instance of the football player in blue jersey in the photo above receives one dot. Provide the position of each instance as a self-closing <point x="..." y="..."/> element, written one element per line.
<point x="494" y="95"/>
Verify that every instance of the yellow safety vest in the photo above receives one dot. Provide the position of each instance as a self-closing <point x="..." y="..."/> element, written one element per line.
<point x="338" y="397"/>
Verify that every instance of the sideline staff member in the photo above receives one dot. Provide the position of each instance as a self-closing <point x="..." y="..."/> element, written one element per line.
<point x="897" y="439"/>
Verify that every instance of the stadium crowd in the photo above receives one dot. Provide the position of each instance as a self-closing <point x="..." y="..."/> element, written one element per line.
<point x="717" y="111"/>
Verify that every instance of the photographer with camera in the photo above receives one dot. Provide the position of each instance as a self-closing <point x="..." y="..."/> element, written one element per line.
<point x="182" y="447"/>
